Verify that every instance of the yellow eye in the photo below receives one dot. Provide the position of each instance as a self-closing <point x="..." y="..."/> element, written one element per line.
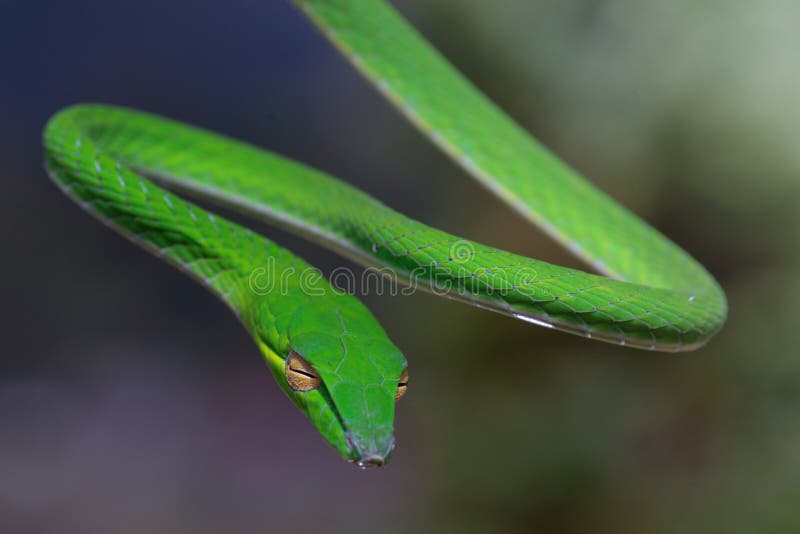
<point x="300" y="375"/>
<point x="402" y="385"/>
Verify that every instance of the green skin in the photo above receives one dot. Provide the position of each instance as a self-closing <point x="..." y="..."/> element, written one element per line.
<point x="653" y="295"/>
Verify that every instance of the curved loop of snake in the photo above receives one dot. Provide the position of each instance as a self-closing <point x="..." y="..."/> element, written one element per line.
<point x="323" y="346"/>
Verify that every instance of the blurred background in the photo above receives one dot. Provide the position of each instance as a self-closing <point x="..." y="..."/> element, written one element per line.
<point x="132" y="401"/>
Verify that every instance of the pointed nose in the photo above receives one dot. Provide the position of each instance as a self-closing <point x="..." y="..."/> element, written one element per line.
<point x="371" y="461"/>
<point x="372" y="456"/>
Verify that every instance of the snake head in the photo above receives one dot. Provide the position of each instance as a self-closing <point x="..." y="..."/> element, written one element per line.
<point x="345" y="374"/>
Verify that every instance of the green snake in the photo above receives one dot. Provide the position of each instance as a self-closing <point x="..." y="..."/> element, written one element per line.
<point x="323" y="346"/>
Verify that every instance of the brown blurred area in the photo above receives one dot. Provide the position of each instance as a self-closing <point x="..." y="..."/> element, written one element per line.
<point x="132" y="401"/>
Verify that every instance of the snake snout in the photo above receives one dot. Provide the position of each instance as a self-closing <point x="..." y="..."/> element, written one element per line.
<point x="372" y="456"/>
<point x="371" y="461"/>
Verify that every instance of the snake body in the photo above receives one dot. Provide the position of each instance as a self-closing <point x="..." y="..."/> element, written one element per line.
<point x="115" y="163"/>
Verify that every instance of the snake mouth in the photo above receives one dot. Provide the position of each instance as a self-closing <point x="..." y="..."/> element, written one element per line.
<point x="368" y="457"/>
<point x="371" y="461"/>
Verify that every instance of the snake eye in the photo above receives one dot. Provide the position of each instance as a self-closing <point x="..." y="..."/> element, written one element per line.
<point x="402" y="385"/>
<point x="300" y="375"/>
